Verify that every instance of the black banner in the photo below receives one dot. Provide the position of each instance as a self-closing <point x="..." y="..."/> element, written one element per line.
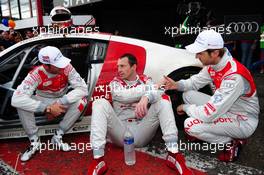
<point x="242" y="27"/>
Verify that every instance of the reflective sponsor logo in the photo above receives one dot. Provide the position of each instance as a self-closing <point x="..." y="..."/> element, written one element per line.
<point x="228" y="85"/>
<point x="206" y="111"/>
<point x="58" y="57"/>
<point x="212" y="73"/>
<point x="46" y="59"/>
<point x="193" y="122"/>
<point x="12" y="134"/>
<point x="47" y="83"/>
<point x="231" y="78"/>
<point x="217" y="98"/>
<point x="210" y="106"/>
<point x="28" y="82"/>
<point x="34" y="77"/>
<point x="223" y="120"/>
<point x="244" y="27"/>
<point x="49" y="131"/>
<point x="26" y="87"/>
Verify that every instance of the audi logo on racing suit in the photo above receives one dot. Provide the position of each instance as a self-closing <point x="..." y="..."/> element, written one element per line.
<point x="243" y="27"/>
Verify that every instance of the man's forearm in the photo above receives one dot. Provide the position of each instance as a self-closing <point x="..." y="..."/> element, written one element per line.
<point x="26" y="103"/>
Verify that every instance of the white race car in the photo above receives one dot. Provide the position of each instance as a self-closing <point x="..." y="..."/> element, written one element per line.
<point x="94" y="56"/>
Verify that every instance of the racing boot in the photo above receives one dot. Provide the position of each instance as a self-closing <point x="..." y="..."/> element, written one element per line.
<point x="176" y="161"/>
<point x="31" y="150"/>
<point x="231" y="151"/>
<point x="58" y="142"/>
<point x="97" y="167"/>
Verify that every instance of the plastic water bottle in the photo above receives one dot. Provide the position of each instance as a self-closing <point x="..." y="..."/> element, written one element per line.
<point x="129" y="148"/>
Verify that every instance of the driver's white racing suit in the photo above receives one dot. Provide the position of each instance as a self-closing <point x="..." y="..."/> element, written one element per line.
<point x="231" y="112"/>
<point x="112" y="121"/>
<point x="40" y="89"/>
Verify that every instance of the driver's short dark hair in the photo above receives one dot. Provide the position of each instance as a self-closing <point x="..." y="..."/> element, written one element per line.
<point x="221" y="51"/>
<point x="131" y="59"/>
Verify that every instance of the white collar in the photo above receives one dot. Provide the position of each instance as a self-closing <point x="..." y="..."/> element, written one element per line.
<point x="224" y="60"/>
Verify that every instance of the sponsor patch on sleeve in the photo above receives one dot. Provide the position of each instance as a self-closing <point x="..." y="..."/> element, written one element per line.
<point x="217" y="98"/>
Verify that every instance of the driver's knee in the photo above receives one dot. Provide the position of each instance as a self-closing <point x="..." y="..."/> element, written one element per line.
<point x="192" y="126"/>
<point x="101" y="105"/>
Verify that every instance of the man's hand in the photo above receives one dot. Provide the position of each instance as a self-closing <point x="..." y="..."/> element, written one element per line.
<point x="49" y="116"/>
<point x="169" y="83"/>
<point x="55" y="110"/>
<point x="180" y="110"/>
<point x="161" y="84"/>
<point x="142" y="107"/>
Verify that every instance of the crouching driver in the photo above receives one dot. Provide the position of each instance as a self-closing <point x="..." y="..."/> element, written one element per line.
<point x="45" y="90"/>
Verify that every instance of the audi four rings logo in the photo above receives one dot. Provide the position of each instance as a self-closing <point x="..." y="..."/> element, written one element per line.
<point x="244" y="27"/>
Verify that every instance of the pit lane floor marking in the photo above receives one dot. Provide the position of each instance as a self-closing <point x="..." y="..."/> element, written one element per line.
<point x="208" y="164"/>
<point x="7" y="169"/>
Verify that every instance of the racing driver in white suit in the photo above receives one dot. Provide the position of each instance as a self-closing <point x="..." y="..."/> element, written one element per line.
<point x="230" y="115"/>
<point x="137" y="102"/>
<point x="44" y="90"/>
